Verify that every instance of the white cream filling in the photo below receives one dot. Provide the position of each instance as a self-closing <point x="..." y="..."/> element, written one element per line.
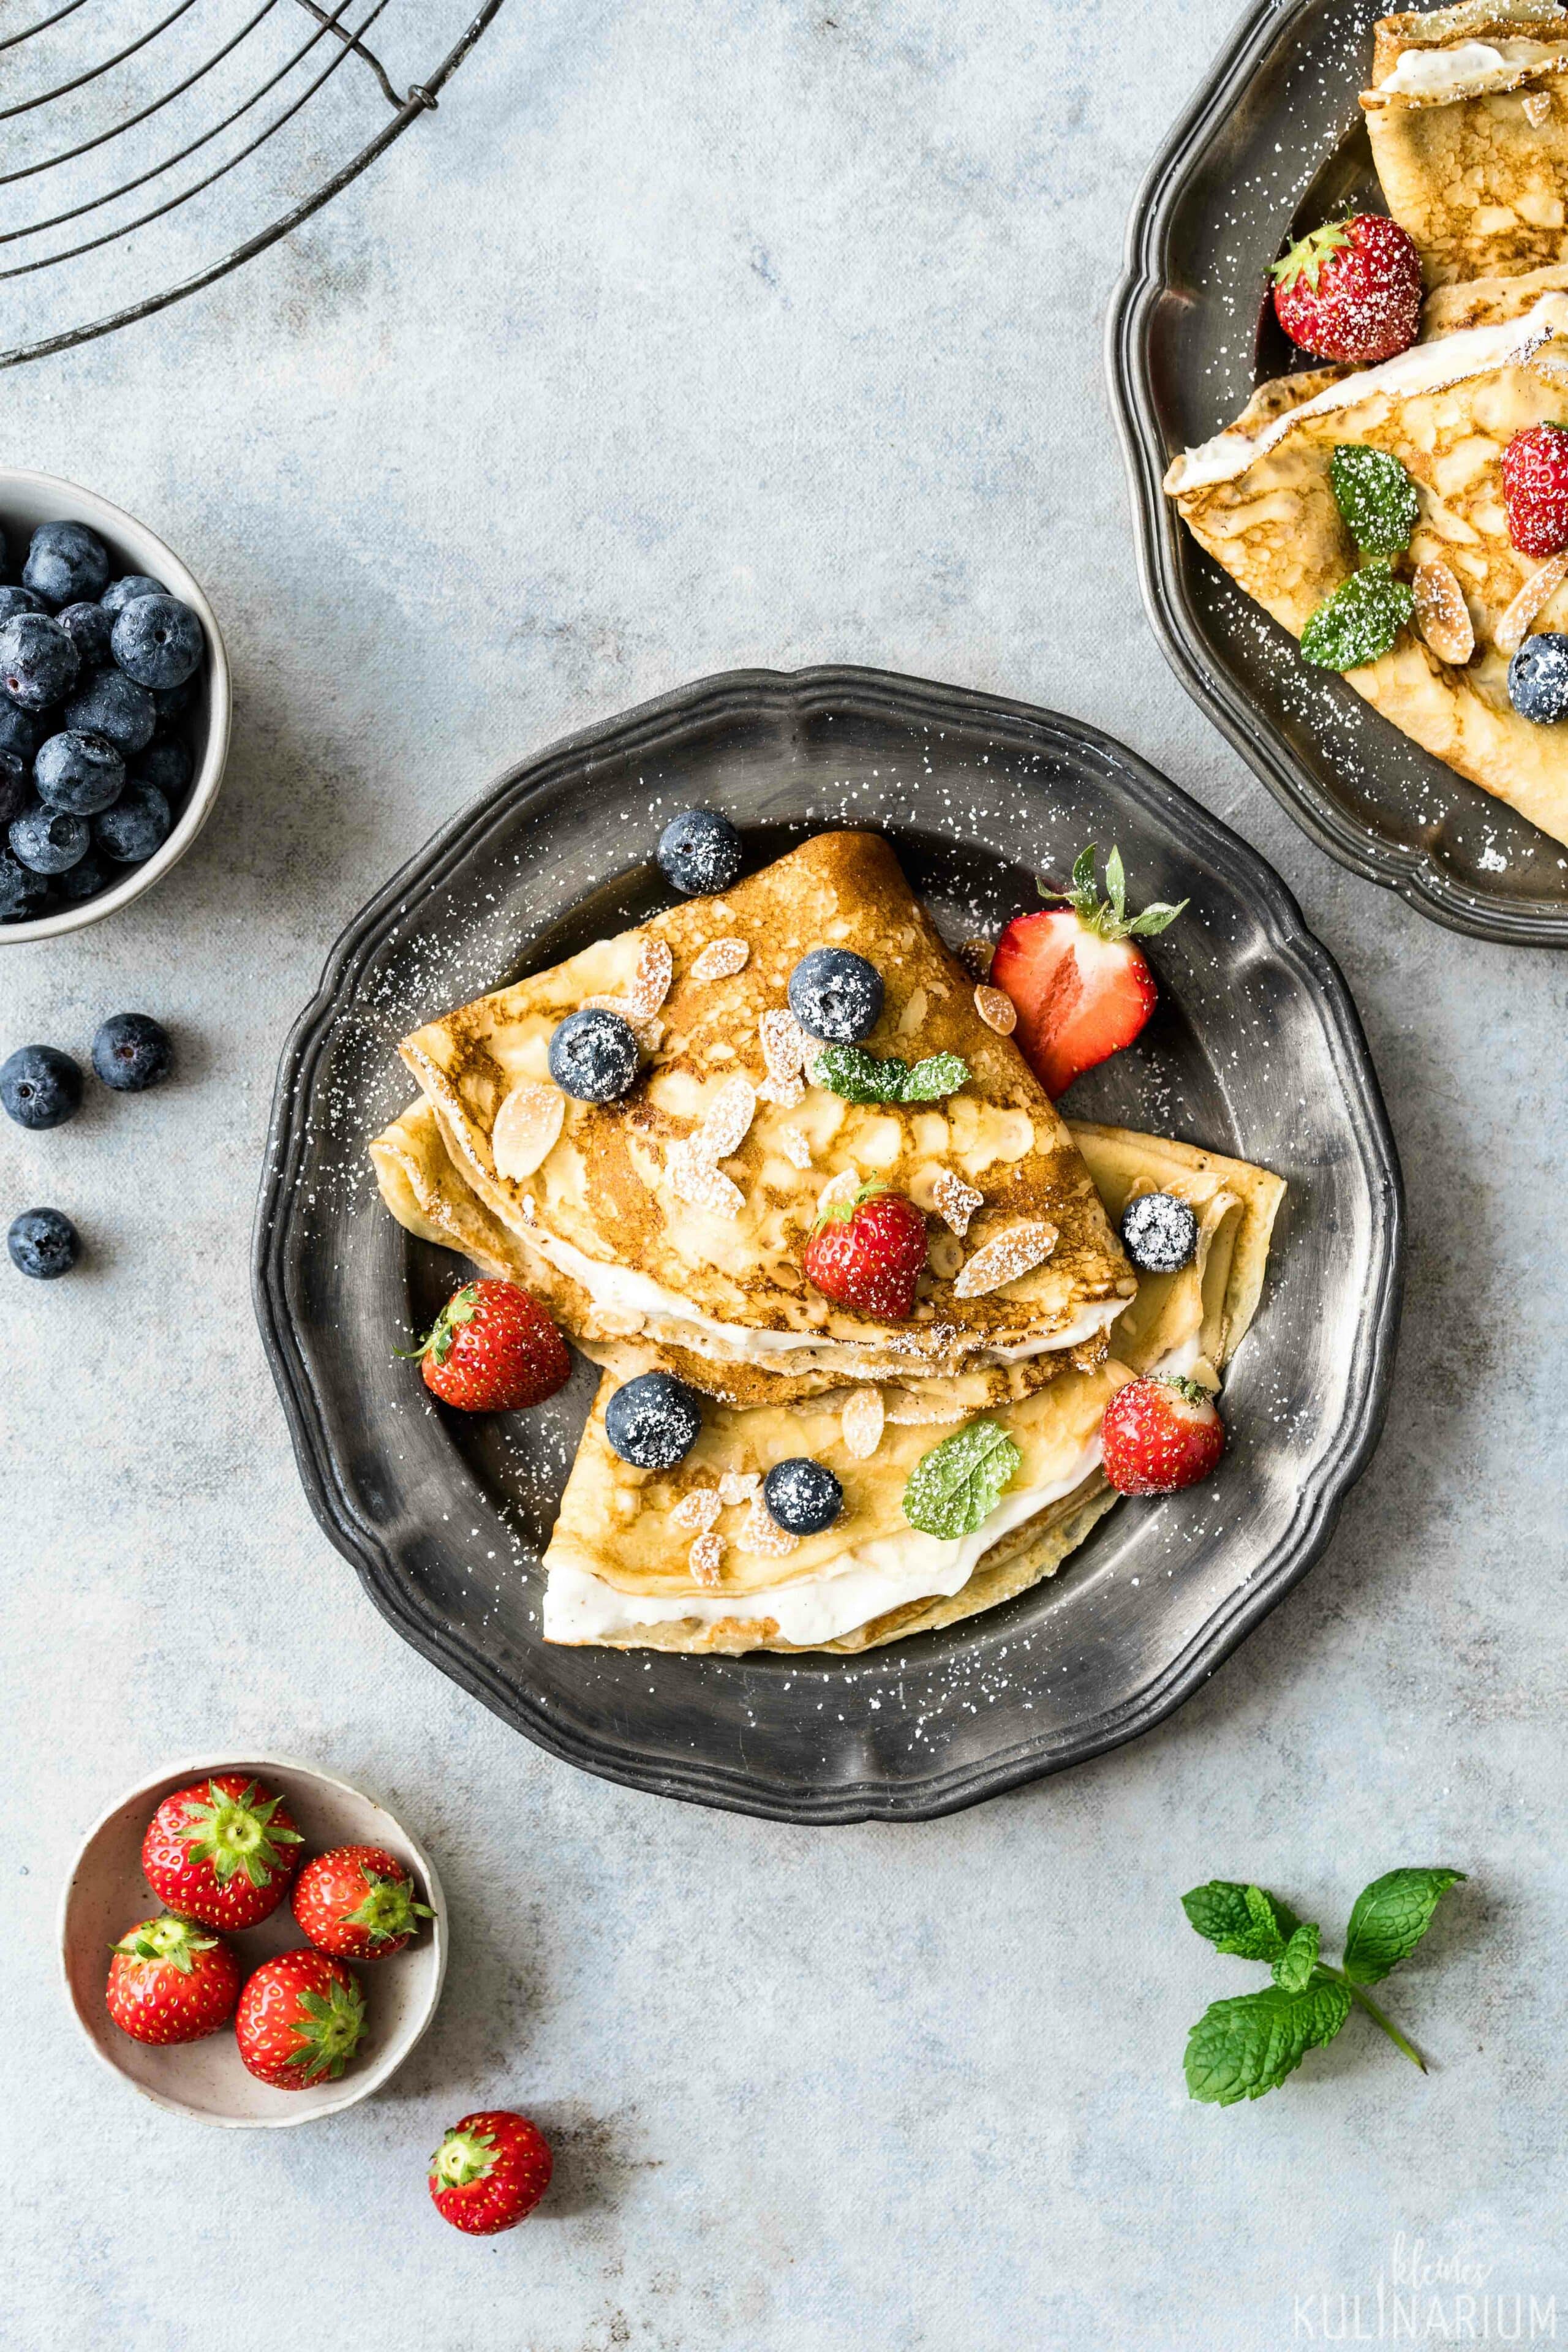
<point x="1474" y="65"/>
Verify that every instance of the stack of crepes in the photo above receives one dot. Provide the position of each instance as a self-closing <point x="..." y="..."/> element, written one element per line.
<point x="665" y="1230"/>
<point x="1468" y="116"/>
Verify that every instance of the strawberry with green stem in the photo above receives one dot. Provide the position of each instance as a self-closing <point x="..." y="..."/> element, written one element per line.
<point x="492" y="1349"/>
<point x="489" y="2171"/>
<point x="222" y="1852"/>
<point x="1080" y="984"/>
<point x="358" y="1902"/>
<point x="300" y="2020"/>
<point x="168" y="1983"/>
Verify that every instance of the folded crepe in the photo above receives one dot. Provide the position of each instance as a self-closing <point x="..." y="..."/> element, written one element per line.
<point x="688" y="1559"/>
<point x="1468" y="116"/>
<point x="1257" y="498"/>
<point x="675" y="1218"/>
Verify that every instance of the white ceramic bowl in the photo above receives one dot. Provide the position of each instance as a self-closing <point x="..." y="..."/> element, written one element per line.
<point x="29" y="500"/>
<point x="106" y="1894"/>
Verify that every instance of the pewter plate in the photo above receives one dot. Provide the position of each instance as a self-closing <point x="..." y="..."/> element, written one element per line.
<point x="1273" y="143"/>
<point x="1254" y="1048"/>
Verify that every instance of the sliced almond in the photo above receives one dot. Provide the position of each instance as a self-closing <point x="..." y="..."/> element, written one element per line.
<point x="797" y="1146"/>
<point x="726" y="1122"/>
<point x="699" y="1510"/>
<point x="1536" y="106"/>
<point x="997" y="1012"/>
<point x="838" y="1192"/>
<point x="720" y="958"/>
<point x="761" y="1533"/>
<point x="738" y="1486"/>
<point x="954" y="1201"/>
<point x="1442" y="614"/>
<point x="862" y="1422"/>
<point x="784" y="1055"/>
<point x="1514" y="626"/>
<point x="706" y="1558"/>
<point x="697" y="1180"/>
<point x="527" y="1126"/>
<point x="1006" y="1259"/>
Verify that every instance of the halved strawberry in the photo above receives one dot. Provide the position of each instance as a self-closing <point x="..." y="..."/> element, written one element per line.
<point x="867" y="1252"/>
<point x="1081" y="988"/>
<point x="1161" y="1434"/>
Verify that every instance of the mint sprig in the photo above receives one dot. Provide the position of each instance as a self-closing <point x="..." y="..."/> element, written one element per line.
<point x="1241" y="2048"/>
<point x="953" y="1489"/>
<point x="861" y="1077"/>
<point x="1361" y="621"/>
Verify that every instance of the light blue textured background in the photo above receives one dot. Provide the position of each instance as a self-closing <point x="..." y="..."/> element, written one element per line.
<point x="694" y="335"/>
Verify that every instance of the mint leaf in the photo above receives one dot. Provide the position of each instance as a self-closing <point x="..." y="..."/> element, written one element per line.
<point x="861" y="1077"/>
<point x="1375" y="495"/>
<point x="1390" y="1918"/>
<point x="953" y="1489"/>
<point x="1239" y="2049"/>
<point x="1360" y="622"/>
<point x="1293" y="1968"/>
<point x="938" y="1075"/>
<point x="1242" y="1920"/>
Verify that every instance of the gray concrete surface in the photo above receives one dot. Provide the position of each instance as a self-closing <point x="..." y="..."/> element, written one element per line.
<point x="696" y="335"/>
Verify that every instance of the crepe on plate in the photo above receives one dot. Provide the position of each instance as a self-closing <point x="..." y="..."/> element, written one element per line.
<point x="621" y="1565"/>
<point x="1468" y="116"/>
<point x="675" y="1217"/>
<point x="1257" y="498"/>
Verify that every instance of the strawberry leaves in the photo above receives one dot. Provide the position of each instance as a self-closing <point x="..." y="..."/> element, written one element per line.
<point x="328" y="2026"/>
<point x="953" y="1489"/>
<point x="1108" y="917"/>
<point x="236" y="1833"/>
<point x="460" y="1308"/>
<point x="1308" y="255"/>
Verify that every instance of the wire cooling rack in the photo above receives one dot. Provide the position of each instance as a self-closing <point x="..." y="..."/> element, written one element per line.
<point x="148" y="147"/>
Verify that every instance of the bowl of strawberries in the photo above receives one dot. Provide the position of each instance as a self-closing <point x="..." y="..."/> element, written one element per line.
<point x="252" y="1943"/>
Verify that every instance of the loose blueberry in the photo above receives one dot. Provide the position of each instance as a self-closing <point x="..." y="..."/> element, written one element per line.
<point x="594" y="1055"/>
<point x="43" y="1244"/>
<point x="131" y="1052"/>
<point x="653" y="1422"/>
<point x="22" y="892"/>
<point x="40" y="1087"/>
<point x="1538" y="678"/>
<point x="83" y="773"/>
<point x="835" y="995"/>
<point x="700" y="852"/>
<point x="13" y="786"/>
<point x="19" y="600"/>
<point x="166" y="764"/>
<point x="49" y="839"/>
<point x="171" y="701"/>
<point x="66" y="563"/>
<point x="802" y="1496"/>
<point x="121" y="592"/>
<point x="111" y="704"/>
<point x="18" y="733"/>
<point x="90" y="629"/>
<point x="1159" y="1232"/>
<point x="85" y="879"/>
<point x="38" y="660"/>
<point x="137" y="824"/>
<point x="157" y="641"/>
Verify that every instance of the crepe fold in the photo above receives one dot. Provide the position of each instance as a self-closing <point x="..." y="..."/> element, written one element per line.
<point x="622" y="1566"/>
<point x="612" y="1232"/>
<point x="1258" y="498"/>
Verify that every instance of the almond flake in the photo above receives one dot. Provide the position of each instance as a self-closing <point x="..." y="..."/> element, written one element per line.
<point x="1006" y="1259"/>
<point x="698" y="1509"/>
<point x="1536" y="106"/>
<point x="761" y="1533"/>
<point x="997" y="1012"/>
<point x="720" y="958"/>
<point x="706" y="1558"/>
<point x="1442" y="614"/>
<point x="838" y="1192"/>
<point x="975" y="956"/>
<point x="738" y="1486"/>
<point x="525" y="1130"/>
<point x="1513" y="627"/>
<point x="699" y="1182"/>
<point x="797" y="1146"/>
<point x="656" y="969"/>
<point x="726" y="1122"/>
<point x="957" y="1201"/>
<point x="862" y="1422"/>
<point x="783" y="1053"/>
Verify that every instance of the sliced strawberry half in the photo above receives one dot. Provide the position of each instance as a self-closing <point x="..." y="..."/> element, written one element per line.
<point x="1080" y="984"/>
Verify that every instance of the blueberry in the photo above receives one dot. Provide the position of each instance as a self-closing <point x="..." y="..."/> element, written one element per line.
<point x="131" y="1052"/>
<point x="111" y="704"/>
<point x="835" y="995"/>
<point x="157" y="641"/>
<point x="594" y="1055"/>
<point x="22" y="892"/>
<point x="1159" y="1232"/>
<point x="38" y="660"/>
<point x="170" y="700"/>
<point x="166" y="764"/>
<point x="43" y="1242"/>
<point x="802" y="1496"/>
<point x="40" y="1087"/>
<point x="79" y="772"/>
<point x="13" y="786"/>
<point x="18" y="733"/>
<point x="137" y="824"/>
<point x="90" y="629"/>
<point x="652" y="1422"/>
<point x="19" y="600"/>
<point x="1538" y="678"/>
<point x="121" y="592"/>
<point x="66" y="564"/>
<point x="85" y="879"/>
<point x="700" y="852"/>
<point x="49" y="839"/>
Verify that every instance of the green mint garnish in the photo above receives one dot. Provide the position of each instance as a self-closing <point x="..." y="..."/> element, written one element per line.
<point x="1360" y="622"/>
<point x="862" y="1077"/>
<point x="954" y="1488"/>
<point x="1239" y="2049"/>
<point x="1375" y="495"/>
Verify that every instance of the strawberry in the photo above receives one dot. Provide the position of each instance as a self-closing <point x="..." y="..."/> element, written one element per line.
<point x="867" y="1252"/>
<point x="1081" y="988"/>
<point x="1159" y="1435"/>
<point x="357" y="1902"/>
<point x="489" y="2170"/>
<point x="167" y="1983"/>
<point x="1352" y="290"/>
<point x="493" y="1350"/>
<point x="299" y="2019"/>
<point x="220" y="1852"/>
<point x="1535" y="489"/>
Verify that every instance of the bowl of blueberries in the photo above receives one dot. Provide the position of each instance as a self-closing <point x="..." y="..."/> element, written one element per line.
<point x="114" y="707"/>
